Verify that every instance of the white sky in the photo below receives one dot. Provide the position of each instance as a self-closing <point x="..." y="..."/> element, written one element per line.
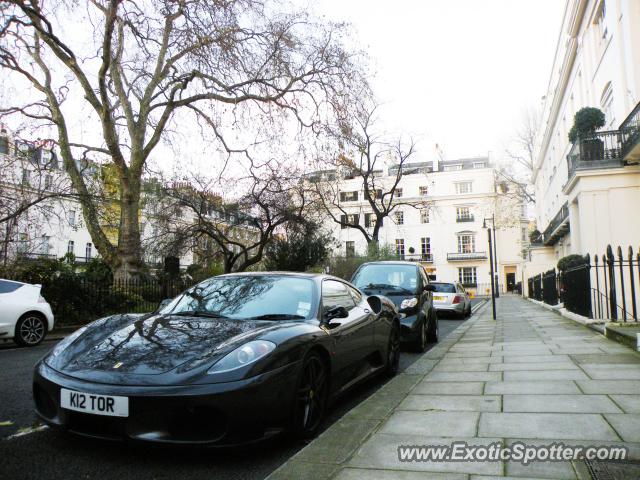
<point x="455" y="72"/>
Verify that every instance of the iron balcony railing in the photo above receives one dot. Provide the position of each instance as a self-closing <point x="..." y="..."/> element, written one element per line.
<point x="461" y="256"/>
<point x="630" y="136"/>
<point x="558" y="226"/>
<point x="467" y="218"/>
<point x="595" y="151"/>
<point x="419" y="257"/>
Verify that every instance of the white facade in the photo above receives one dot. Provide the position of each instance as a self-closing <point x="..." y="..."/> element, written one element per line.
<point x="443" y="226"/>
<point x="583" y="204"/>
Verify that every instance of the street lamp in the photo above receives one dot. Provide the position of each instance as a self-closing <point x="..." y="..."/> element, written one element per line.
<point x="493" y="286"/>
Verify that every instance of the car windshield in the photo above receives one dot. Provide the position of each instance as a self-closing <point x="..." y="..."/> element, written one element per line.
<point x="267" y="297"/>
<point x="444" y="287"/>
<point x="402" y="278"/>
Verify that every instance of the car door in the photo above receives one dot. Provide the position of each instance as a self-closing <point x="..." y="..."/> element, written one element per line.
<point x="352" y="336"/>
<point x="10" y="306"/>
<point x="426" y="297"/>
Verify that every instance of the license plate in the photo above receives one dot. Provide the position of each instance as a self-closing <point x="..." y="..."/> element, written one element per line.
<point x="439" y="299"/>
<point x="96" y="404"/>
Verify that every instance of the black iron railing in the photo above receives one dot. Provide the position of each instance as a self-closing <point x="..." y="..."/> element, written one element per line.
<point x="630" y="132"/>
<point x="594" y="151"/>
<point x="467" y="218"/>
<point x="419" y="257"/>
<point x="461" y="256"/>
<point x="607" y="288"/>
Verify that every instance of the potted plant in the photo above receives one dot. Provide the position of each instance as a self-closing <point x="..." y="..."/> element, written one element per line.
<point x="585" y="124"/>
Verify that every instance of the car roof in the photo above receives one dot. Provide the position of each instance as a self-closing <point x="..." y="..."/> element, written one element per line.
<point x="310" y="275"/>
<point x="392" y="262"/>
<point x="14" y="281"/>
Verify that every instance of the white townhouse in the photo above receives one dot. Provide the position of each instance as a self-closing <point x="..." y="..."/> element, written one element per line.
<point x="443" y="226"/>
<point x="587" y="197"/>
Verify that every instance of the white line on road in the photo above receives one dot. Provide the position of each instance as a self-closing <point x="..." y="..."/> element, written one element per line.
<point x="26" y="431"/>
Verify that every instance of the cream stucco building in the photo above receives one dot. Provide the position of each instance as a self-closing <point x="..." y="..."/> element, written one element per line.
<point x="586" y="196"/>
<point x="442" y="206"/>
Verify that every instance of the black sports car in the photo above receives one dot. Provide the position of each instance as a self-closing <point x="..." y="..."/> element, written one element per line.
<point x="235" y="359"/>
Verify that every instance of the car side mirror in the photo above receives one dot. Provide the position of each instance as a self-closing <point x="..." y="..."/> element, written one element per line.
<point x="429" y="288"/>
<point x="163" y="304"/>
<point x="336" y="312"/>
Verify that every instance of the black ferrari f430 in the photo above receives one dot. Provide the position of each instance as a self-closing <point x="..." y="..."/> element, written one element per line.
<point x="234" y="359"/>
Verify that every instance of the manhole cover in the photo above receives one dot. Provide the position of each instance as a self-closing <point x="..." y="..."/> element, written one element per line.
<point x="614" y="470"/>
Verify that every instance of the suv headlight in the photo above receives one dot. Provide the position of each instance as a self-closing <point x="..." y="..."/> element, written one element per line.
<point x="408" y="303"/>
<point x="244" y="355"/>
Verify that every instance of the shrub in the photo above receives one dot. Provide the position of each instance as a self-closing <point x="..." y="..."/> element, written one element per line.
<point x="585" y="122"/>
<point x="570" y="261"/>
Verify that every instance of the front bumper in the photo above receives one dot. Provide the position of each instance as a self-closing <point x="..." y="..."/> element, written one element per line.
<point x="409" y="326"/>
<point x="219" y="414"/>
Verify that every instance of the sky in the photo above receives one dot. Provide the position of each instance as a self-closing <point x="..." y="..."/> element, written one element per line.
<point x="458" y="73"/>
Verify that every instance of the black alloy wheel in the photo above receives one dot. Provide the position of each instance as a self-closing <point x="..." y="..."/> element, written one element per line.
<point x="393" y="351"/>
<point x="432" y="335"/>
<point x="311" y="397"/>
<point x="420" y="343"/>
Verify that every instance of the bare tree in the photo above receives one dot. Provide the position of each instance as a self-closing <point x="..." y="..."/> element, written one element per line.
<point x="523" y="153"/>
<point x="238" y="229"/>
<point x="147" y="66"/>
<point x="364" y="155"/>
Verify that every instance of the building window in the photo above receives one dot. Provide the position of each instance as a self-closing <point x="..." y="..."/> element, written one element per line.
<point x="466" y="243"/>
<point x="375" y="194"/>
<point x="479" y="164"/>
<point x="467" y="276"/>
<point x="424" y="215"/>
<point x="463" y="214"/>
<point x="350" y="219"/>
<point x="370" y="220"/>
<point x="350" y="248"/>
<point x="453" y="168"/>
<point x="424" y="191"/>
<point x="349" y="196"/>
<point x="44" y="245"/>
<point x="425" y="248"/>
<point x="606" y="102"/>
<point x="25" y="177"/>
<point x="70" y="246"/>
<point x="463" y="187"/>
<point x="71" y="217"/>
<point x="87" y="251"/>
<point x="399" y="217"/>
<point x="398" y="192"/>
<point x="23" y="242"/>
<point x="48" y="181"/>
<point x="400" y="247"/>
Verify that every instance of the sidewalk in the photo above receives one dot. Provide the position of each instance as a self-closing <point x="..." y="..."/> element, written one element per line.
<point x="531" y="376"/>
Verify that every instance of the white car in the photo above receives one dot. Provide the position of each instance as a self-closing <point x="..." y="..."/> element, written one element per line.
<point x="25" y="315"/>
<point x="451" y="297"/>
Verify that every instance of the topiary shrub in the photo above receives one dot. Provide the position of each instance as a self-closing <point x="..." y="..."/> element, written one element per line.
<point x="571" y="261"/>
<point x="585" y="122"/>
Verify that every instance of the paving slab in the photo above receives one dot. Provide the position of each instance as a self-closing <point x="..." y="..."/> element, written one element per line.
<point x="582" y="426"/>
<point x="465" y="376"/>
<point x="567" y="365"/>
<point x="374" y="474"/>
<point x="531" y="375"/>
<point x="609" y="386"/>
<point x="559" y="404"/>
<point x="446" y="424"/>
<point x="449" y="388"/>
<point x="459" y="403"/>
<point x="628" y="403"/>
<point x="626" y="424"/>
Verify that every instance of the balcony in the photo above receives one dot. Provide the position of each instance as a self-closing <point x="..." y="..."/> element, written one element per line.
<point x="557" y="227"/>
<point x="424" y="258"/>
<point x="630" y="136"/>
<point x="596" y="151"/>
<point x="464" y="256"/>
<point x="467" y="218"/>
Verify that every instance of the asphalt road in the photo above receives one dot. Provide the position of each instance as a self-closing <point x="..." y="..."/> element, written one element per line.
<point x="49" y="454"/>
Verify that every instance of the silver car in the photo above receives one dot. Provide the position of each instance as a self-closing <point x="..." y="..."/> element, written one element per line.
<point x="451" y="297"/>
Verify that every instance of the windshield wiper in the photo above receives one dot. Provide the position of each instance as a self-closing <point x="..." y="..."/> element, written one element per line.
<point x="385" y="286"/>
<point x="277" y="316"/>
<point x="197" y="313"/>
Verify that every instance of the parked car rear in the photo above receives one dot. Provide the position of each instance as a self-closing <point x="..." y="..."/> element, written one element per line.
<point x="25" y="316"/>
<point x="451" y="297"/>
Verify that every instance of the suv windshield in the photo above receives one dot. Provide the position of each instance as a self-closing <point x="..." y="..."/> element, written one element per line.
<point x="268" y="297"/>
<point x="403" y="278"/>
<point x="444" y="287"/>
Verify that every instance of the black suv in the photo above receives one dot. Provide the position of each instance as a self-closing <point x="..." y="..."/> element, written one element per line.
<point x="407" y="285"/>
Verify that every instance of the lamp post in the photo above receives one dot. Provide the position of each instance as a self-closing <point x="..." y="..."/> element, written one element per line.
<point x="493" y="289"/>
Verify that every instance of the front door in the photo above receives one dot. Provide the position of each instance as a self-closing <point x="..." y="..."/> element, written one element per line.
<point x="511" y="281"/>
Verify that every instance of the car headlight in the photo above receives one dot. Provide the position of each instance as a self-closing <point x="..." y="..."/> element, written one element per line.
<point x="243" y="355"/>
<point x="66" y="341"/>
<point x="408" y="303"/>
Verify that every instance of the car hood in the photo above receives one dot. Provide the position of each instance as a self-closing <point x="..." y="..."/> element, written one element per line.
<point x="154" y="344"/>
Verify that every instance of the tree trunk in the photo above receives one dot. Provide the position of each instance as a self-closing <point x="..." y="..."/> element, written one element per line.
<point x="128" y="261"/>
